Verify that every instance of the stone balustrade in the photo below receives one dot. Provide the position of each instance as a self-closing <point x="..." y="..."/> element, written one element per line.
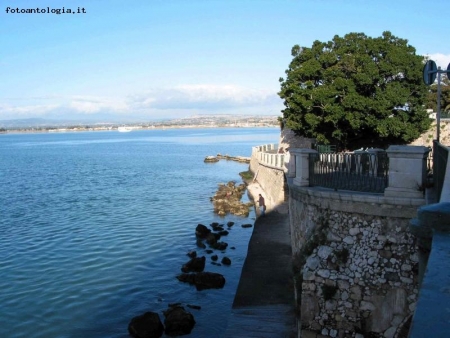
<point x="407" y="170"/>
<point x="268" y="156"/>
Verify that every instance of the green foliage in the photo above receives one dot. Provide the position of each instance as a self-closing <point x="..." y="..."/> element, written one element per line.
<point x="445" y="96"/>
<point x="356" y="91"/>
<point x="246" y="175"/>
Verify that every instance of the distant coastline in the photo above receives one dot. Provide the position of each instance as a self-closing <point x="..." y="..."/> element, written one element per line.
<point x="195" y="122"/>
<point x="96" y="129"/>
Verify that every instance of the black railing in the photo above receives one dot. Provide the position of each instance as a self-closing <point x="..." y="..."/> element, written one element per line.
<point x="440" y="155"/>
<point x="365" y="171"/>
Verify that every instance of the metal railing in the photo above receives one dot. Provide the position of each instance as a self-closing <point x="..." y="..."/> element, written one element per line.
<point x="363" y="171"/>
<point x="440" y="155"/>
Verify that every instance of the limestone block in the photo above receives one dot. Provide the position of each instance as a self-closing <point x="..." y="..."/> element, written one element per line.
<point x="324" y="251"/>
<point x="309" y="309"/>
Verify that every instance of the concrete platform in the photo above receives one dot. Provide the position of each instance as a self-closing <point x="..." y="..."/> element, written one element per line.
<point x="264" y="304"/>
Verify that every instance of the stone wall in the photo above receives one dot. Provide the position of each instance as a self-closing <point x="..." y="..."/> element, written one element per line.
<point x="271" y="179"/>
<point x="358" y="261"/>
<point x="273" y="183"/>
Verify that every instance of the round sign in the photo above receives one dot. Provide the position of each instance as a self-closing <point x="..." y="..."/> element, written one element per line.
<point x="429" y="72"/>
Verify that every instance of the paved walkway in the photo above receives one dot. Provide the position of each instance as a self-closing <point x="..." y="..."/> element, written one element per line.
<point x="264" y="302"/>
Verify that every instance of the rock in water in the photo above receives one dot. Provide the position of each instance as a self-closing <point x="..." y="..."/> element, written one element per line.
<point x="196" y="264"/>
<point x="203" y="280"/>
<point x="226" y="261"/>
<point x="202" y="231"/>
<point x="192" y="254"/>
<point x="178" y="321"/>
<point x="147" y="325"/>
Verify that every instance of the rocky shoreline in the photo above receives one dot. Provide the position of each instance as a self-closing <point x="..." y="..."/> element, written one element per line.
<point x="178" y="320"/>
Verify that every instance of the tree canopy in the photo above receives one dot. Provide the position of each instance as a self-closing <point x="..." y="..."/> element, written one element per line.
<point x="356" y="91"/>
<point x="445" y="95"/>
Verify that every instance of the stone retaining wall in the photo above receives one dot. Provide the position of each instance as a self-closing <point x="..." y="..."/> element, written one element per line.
<point x="271" y="179"/>
<point x="359" y="262"/>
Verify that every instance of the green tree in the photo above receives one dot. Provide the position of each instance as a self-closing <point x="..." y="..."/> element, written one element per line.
<point x="445" y="95"/>
<point x="356" y="91"/>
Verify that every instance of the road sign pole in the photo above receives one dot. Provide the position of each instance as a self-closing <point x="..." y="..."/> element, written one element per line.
<point x="438" y="113"/>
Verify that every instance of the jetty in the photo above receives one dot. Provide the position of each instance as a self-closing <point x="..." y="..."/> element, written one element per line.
<point x="218" y="157"/>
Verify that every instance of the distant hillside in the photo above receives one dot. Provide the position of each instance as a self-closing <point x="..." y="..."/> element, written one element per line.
<point x="426" y="139"/>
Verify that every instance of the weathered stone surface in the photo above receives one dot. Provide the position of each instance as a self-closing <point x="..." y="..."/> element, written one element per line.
<point x="178" y="321"/>
<point x="210" y="159"/>
<point x="203" y="280"/>
<point x="324" y="251"/>
<point x="196" y="264"/>
<point x="228" y="200"/>
<point x="309" y="309"/>
<point x="312" y="262"/>
<point x="148" y="325"/>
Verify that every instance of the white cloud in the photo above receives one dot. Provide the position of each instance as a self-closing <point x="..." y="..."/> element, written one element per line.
<point x="156" y="103"/>
<point x="210" y="97"/>
<point x="24" y="111"/>
<point x="441" y="60"/>
<point x="92" y="105"/>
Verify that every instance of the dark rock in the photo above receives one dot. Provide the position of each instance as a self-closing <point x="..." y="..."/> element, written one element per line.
<point x="218" y="228"/>
<point x="187" y="278"/>
<point x="200" y="244"/>
<point x="230" y="224"/>
<point x="147" y="325"/>
<point x="223" y="233"/>
<point x="214" y="224"/>
<point x="226" y="261"/>
<point x="220" y="246"/>
<point x="247" y="225"/>
<point x="192" y="254"/>
<point x="196" y="264"/>
<point x="174" y="304"/>
<point x="214" y="258"/>
<point x="210" y="159"/>
<point x="202" y="231"/>
<point x="178" y="321"/>
<point x="211" y="239"/>
<point x="215" y="263"/>
<point x="203" y="280"/>
<point x="233" y="248"/>
<point x="195" y="307"/>
<point x="209" y="251"/>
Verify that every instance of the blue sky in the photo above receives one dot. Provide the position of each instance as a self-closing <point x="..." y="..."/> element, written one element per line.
<point x="157" y="59"/>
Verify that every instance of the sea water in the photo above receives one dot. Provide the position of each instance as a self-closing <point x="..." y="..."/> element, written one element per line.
<point x="95" y="226"/>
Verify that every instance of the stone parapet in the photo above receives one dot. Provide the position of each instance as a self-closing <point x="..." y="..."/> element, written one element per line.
<point x="301" y="159"/>
<point x="432" y="228"/>
<point x="407" y="171"/>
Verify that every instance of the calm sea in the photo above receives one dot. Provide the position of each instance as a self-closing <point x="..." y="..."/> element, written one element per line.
<point x="95" y="226"/>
